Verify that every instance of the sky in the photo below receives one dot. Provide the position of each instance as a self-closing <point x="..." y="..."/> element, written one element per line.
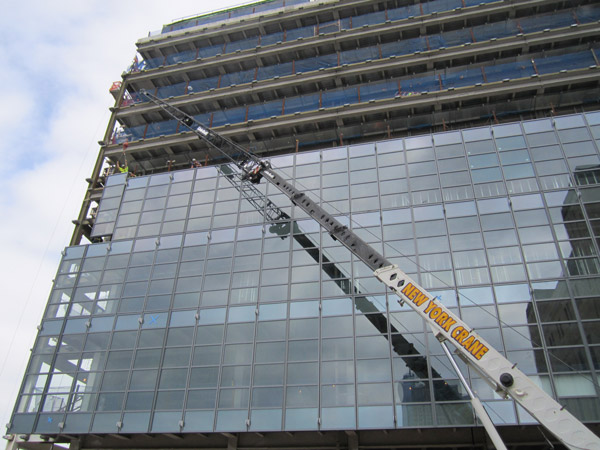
<point x="58" y="61"/>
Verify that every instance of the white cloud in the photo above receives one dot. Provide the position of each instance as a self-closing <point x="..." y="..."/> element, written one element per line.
<point x="59" y="60"/>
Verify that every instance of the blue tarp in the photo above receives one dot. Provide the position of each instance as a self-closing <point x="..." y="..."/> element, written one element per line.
<point x="204" y="118"/>
<point x="457" y="37"/>
<point x="203" y="85"/>
<point x="543" y="21"/>
<point x="161" y="128"/>
<point x="368" y="19"/>
<point x="511" y="71"/>
<point x="136" y="133"/>
<point x="339" y="97"/>
<point x="417" y="85"/>
<point x="495" y="30"/>
<point x="296" y="33"/>
<point x="153" y="63"/>
<point x="190" y="55"/>
<point x="233" y="115"/>
<point x="477" y="2"/>
<point x="278" y="70"/>
<point x="171" y="91"/>
<point x="359" y="55"/>
<point x="265" y="110"/>
<point x="461" y="78"/>
<point x="440" y="5"/>
<point x="302" y="103"/>
<point x="376" y="91"/>
<point x="271" y="38"/>
<point x="245" y="44"/>
<point x="565" y="62"/>
<point x="237" y="78"/>
<point x="403" y="12"/>
<point x="587" y="14"/>
<point x="316" y="63"/>
<point x="207" y="52"/>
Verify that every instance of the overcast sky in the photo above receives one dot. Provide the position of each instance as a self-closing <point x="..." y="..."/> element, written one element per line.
<point x="58" y="60"/>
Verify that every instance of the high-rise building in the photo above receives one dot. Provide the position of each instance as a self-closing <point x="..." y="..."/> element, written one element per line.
<point x="460" y="138"/>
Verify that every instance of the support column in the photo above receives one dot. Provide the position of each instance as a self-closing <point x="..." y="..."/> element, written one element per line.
<point x="352" y="440"/>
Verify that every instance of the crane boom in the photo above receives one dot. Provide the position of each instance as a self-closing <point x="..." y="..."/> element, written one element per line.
<point x="500" y="373"/>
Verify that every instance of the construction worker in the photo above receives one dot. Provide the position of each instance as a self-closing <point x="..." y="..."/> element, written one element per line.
<point x="124" y="169"/>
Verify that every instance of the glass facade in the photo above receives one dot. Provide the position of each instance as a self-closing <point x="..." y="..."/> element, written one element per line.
<point x="201" y="316"/>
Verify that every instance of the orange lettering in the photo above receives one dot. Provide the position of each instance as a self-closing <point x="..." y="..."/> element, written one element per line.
<point x="463" y="334"/>
<point x="420" y="299"/>
<point x="456" y="332"/>
<point x="475" y="347"/>
<point x="436" y="312"/>
<point x="441" y="318"/>
<point x="467" y="342"/>
<point x="448" y="324"/>
<point x="481" y="352"/>
<point x="430" y="307"/>
<point x="408" y="290"/>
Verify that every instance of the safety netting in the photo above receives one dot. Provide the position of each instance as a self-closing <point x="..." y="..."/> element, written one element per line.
<point x="510" y="27"/>
<point x="339" y="97"/>
<point x="405" y="87"/>
<point x="565" y="62"/>
<point x="161" y="128"/>
<point x="228" y="116"/>
<point x="440" y="5"/>
<point x="203" y="84"/>
<point x="404" y="47"/>
<point x="153" y="63"/>
<point x="545" y="21"/>
<point x="279" y="70"/>
<point x="496" y="30"/>
<point x="418" y="85"/>
<point x="460" y="78"/>
<point x="456" y="37"/>
<point x="236" y="78"/>
<point x="186" y="56"/>
<point x="212" y="50"/>
<point x="369" y="19"/>
<point x="508" y="71"/>
<point x="302" y="103"/>
<point x="272" y="38"/>
<point x="377" y="91"/>
<point x="587" y="13"/>
<point x="316" y="63"/>
<point x="173" y="90"/>
<point x="404" y="12"/>
<point x="245" y="44"/>
<point x="265" y="110"/>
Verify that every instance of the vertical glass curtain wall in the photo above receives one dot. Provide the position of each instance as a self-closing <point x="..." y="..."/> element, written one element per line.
<point x="200" y="317"/>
